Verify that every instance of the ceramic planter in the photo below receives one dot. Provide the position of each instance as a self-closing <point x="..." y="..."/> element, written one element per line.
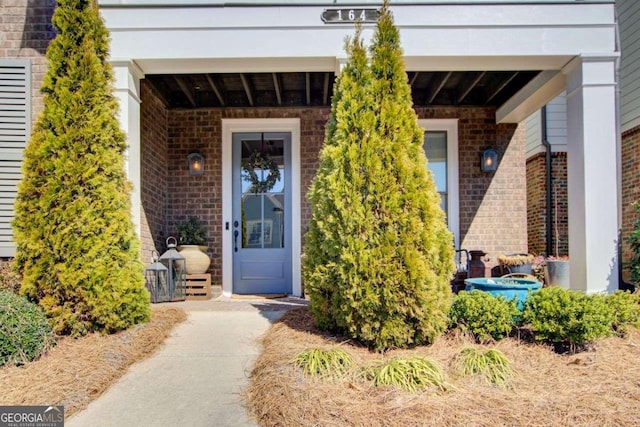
<point x="510" y="288"/>
<point x="197" y="260"/>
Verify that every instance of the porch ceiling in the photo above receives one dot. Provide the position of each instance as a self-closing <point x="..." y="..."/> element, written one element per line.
<point x="294" y="89"/>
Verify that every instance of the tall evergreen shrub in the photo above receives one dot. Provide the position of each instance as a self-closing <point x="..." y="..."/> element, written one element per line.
<point x="76" y="244"/>
<point x="378" y="254"/>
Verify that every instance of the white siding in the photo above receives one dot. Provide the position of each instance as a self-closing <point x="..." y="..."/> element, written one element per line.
<point x="556" y="127"/>
<point x="534" y="134"/>
<point x="15" y="125"/>
<point x="629" y="22"/>
<point x="557" y="123"/>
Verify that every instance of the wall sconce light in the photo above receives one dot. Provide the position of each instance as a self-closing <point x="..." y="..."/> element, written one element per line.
<point x="195" y="161"/>
<point x="489" y="161"/>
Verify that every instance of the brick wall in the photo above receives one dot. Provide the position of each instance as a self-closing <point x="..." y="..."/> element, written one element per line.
<point x="26" y="32"/>
<point x="630" y="189"/>
<point x="153" y="172"/>
<point x="560" y="200"/>
<point x="537" y="204"/>
<point x="492" y="206"/>
<point x="196" y="130"/>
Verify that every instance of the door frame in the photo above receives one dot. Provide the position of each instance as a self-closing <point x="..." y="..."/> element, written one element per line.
<point x="229" y="127"/>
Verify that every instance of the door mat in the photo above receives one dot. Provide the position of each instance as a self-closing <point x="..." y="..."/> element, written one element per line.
<point x="258" y="296"/>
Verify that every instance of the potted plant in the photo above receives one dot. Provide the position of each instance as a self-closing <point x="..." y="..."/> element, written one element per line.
<point x="192" y="237"/>
<point x="538" y="268"/>
<point x="516" y="263"/>
<point x="556" y="271"/>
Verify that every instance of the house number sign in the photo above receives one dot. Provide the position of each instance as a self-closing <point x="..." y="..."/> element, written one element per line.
<point x="349" y="16"/>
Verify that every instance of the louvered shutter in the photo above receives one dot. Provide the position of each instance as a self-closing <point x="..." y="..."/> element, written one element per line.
<point x="15" y="125"/>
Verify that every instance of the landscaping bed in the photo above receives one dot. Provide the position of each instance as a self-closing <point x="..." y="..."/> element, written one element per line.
<point x="78" y="370"/>
<point x="596" y="387"/>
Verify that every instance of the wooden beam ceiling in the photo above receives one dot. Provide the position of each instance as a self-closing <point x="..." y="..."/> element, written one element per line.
<point x="439" y="87"/>
<point x="473" y="84"/>
<point x="314" y="89"/>
<point x="247" y="89"/>
<point x="276" y="86"/>
<point x="215" y="89"/>
<point x="186" y="90"/>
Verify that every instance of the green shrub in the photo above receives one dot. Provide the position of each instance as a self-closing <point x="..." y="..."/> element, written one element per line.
<point x="411" y="374"/>
<point x="333" y="363"/>
<point x="192" y="232"/>
<point x="25" y="332"/>
<point x="378" y="254"/>
<point x="626" y="310"/>
<point x="9" y="278"/>
<point x="561" y="315"/>
<point x="490" y="365"/>
<point x="76" y="245"/>
<point x="484" y="315"/>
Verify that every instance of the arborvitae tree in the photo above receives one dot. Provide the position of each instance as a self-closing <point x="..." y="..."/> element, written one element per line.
<point x="351" y="108"/>
<point x="76" y="245"/>
<point x="379" y="257"/>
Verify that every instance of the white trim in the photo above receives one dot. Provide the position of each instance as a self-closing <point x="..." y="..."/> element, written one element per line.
<point x="532" y="97"/>
<point x="127" y="91"/>
<point x="230" y="126"/>
<point x="453" y="190"/>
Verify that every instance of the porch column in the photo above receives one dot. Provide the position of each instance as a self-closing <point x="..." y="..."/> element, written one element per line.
<point x="592" y="173"/>
<point x="127" y="91"/>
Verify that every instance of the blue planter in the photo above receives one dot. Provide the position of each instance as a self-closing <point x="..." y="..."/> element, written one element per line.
<point x="508" y="287"/>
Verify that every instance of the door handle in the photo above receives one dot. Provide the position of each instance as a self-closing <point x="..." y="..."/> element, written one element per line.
<point x="235" y="240"/>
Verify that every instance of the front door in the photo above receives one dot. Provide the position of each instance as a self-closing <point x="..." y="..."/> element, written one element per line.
<point x="261" y="213"/>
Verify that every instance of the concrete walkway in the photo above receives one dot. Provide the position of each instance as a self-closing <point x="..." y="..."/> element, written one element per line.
<point x="196" y="377"/>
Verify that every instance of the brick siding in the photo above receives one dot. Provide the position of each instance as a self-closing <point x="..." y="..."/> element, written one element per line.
<point x="537" y="204"/>
<point x="630" y="189"/>
<point x="153" y="172"/>
<point x="492" y="206"/>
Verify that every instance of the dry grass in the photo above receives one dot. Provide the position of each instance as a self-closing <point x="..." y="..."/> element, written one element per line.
<point x="76" y="371"/>
<point x="596" y="388"/>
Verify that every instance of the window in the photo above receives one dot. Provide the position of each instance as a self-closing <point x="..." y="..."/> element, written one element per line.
<point x="435" y="147"/>
<point x="441" y="147"/>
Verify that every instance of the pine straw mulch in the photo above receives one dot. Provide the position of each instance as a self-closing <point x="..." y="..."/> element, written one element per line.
<point x="600" y="387"/>
<point x="77" y="371"/>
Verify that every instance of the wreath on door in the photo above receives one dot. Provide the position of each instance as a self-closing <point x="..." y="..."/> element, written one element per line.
<point x="257" y="161"/>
